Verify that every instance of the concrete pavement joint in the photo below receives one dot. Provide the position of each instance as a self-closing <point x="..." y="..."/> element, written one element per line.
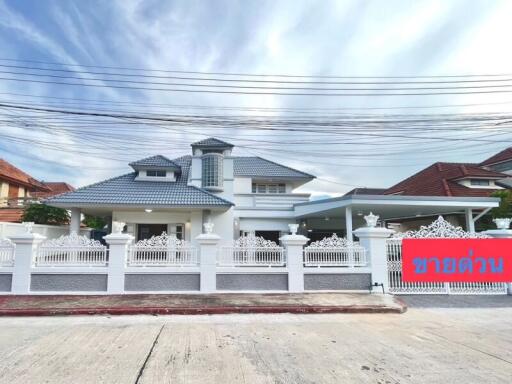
<point x="143" y="367"/>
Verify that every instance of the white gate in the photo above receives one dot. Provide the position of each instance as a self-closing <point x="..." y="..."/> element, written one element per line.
<point x="334" y="252"/>
<point x="438" y="229"/>
<point x="252" y="251"/>
<point x="163" y="250"/>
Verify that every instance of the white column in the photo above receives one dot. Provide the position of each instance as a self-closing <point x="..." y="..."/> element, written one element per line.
<point x="502" y="234"/>
<point x="26" y="246"/>
<point x="348" y="223"/>
<point x="374" y="240"/>
<point x="208" y="248"/>
<point x="293" y="245"/>
<point x="470" y="223"/>
<point x="118" y="253"/>
<point x="74" y="224"/>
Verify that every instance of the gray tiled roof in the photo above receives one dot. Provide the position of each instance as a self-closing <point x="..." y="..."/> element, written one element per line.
<point x="211" y="142"/>
<point x="155" y="161"/>
<point x="259" y="167"/>
<point x="124" y="190"/>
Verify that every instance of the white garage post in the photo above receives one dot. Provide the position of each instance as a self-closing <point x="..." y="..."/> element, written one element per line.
<point x="26" y="247"/>
<point x="76" y="218"/>
<point x="293" y="245"/>
<point x="373" y="239"/>
<point x="502" y="234"/>
<point x="118" y="251"/>
<point x="208" y="248"/>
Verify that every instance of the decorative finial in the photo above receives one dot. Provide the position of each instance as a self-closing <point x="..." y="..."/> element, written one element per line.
<point x="208" y="227"/>
<point x="117" y="227"/>
<point x="502" y="222"/>
<point x="293" y="228"/>
<point x="371" y="220"/>
<point x="28" y="226"/>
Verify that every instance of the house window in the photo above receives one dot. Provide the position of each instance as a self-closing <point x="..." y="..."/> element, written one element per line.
<point x="480" y="182"/>
<point x="268" y="188"/>
<point x="156" y="173"/>
<point x="212" y="170"/>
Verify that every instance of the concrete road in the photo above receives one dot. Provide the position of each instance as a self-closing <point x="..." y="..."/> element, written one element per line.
<point x="462" y="344"/>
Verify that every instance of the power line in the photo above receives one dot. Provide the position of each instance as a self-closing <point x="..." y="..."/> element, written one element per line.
<point x="253" y="74"/>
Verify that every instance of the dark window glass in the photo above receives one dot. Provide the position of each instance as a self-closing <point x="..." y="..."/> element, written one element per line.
<point x="480" y="182"/>
<point x="156" y="173"/>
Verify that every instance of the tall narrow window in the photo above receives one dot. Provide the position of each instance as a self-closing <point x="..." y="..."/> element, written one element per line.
<point x="212" y="171"/>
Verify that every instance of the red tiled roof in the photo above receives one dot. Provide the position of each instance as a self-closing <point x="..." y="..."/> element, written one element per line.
<point x="55" y="188"/>
<point x="440" y="179"/>
<point x="366" y="191"/>
<point x="12" y="215"/>
<point x="504" y="155"/>
<point x="10" y="173"/>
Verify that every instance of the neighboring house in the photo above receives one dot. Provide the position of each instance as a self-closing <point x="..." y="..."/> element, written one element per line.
<point x="451" y="180"/>
<point x="19" y="188"/>
<point x="239" y="195"/>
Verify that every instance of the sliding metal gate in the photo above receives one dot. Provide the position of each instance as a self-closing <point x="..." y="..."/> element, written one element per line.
<point x="438" y="229"/>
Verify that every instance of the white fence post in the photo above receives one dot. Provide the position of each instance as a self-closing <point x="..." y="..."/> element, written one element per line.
<point x="374" y="240"/>
<point x="26" y="246"/>
<point x="118" y="253"/>
<point x="208" y="249"/>
<point x="501" y="234"/>
<point x="293" y="245"/>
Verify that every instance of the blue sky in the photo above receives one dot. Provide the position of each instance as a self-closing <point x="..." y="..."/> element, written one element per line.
<point x="348" y="38"/>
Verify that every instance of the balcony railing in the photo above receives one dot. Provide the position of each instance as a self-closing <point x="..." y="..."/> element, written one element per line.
<point x="270" y="200"/>
<point x="16" y="202"/>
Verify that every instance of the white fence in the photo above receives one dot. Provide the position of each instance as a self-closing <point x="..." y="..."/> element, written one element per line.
<point x="163" y="250"/>
<point x="252" y="251"/>
<point x="334" y="252"/>
<point x="7" y="250"/>
<point x="71" y="250"/>
<point x="438" y="229"/>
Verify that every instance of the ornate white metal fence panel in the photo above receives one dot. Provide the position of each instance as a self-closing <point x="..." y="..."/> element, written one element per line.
<point x="334" y="252"/>
<point x="7" y="250"/>
<point x="439" y="229"/>
<point x="252" y="251"/>
<point x="71" y="250"/>
<point x="163" y="250"/>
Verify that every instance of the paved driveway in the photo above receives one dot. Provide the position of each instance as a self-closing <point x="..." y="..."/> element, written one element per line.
<point x="462" y="344"/>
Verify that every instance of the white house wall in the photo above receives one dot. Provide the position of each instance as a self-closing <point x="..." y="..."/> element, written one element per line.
<point x="247" y="224"/>
<point x="224" y="225"/>
<point x="242" y="185"/>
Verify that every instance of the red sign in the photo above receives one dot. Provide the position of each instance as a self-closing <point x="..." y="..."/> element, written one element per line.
<point x="457" y="260"/>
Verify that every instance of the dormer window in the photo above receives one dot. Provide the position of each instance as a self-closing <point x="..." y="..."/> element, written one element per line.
<point x="480" y="182"/>
<point x="150" y="173"/>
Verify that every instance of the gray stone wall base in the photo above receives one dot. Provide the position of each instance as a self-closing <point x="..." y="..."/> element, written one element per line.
<point x="337" y="281"/>
<point x="161" y="282"/>
<point x="252" y="282"/>
<point x="48" y="282"/>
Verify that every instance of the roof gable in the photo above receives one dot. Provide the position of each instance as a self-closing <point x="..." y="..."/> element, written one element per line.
<point x="16" y="175"/>
<point x="211" y="142"/>
<point x="504" y="155"/>
<point x="157" y="161"/>
<point x="439" y="179"/>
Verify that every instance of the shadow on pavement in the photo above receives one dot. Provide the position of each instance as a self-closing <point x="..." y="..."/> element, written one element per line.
<point x="457" y="301"/>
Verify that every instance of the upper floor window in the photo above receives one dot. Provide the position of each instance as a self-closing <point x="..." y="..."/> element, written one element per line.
<point x="480" y="182"/>
<point x="268" y="188"/>
<point x="212" y="170"/>
<point x="156" y="173"/>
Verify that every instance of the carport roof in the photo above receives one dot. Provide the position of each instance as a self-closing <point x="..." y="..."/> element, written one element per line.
<point x="393" y="206"/>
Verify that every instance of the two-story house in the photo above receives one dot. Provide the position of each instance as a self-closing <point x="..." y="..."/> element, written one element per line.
<point x="238" y="194"/>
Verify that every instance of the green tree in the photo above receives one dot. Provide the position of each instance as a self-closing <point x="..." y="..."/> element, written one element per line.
<point x="44" y="214"/>
<point x="504" y="210"/>
<point x="94" y="222"/>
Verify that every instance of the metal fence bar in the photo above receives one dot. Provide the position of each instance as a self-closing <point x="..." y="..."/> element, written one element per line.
<point x="162" y="256"/>
<point x="7" y="256"/>
<point x="251" y="256"/>
<point x="352" y="256"/>
<point x="71" y="256"/>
